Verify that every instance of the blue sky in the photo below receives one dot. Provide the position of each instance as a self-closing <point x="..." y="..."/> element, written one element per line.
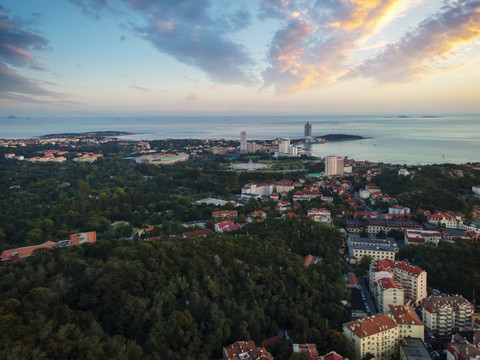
<point x="149" y="57"/>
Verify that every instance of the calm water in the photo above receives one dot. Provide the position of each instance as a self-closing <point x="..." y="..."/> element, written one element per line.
<point x="413" y="140"/>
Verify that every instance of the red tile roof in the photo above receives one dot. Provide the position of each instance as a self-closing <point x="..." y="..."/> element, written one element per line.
<point x="388" y="283"/>
<point x="24" y="252"/>
<point x="371" y="325"/>
<point x="404" y="314"/>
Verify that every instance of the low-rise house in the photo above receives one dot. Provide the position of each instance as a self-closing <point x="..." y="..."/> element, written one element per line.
<point x="223" y="215"/>
<point x="224" y="226"/>
<point x="13" y="255"/>
<point x="417" y="237"/>
<point x="309" y="349"/>
<point x="310" y="260"/>
<point x="245" y="350"/>
<point x="203" y="232"/>
<point x="320" y="215"/>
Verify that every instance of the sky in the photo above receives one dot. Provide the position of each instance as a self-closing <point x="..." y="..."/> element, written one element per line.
<point x="152" y="57"/>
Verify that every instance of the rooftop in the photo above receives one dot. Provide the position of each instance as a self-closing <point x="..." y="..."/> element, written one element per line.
<point x="371" y="325"/>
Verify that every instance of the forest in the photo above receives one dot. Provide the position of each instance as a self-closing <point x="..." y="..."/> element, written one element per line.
<point x="433" y="187"/>
<point x="175" y="299"/>
<point x="451" y="268"/>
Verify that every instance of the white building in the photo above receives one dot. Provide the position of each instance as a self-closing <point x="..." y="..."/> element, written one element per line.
<point x="411" y="278"/>
<point x="476" y="189"/>
<point x="397" y="209"/>
<point x="321" y="215"/>
<point x="388" y="293"/>
<point x="443" y="314"/>
<point x="442" y="219"/>
<point x="334" y="165"/>
<point x="284" y="145"/>
<point x="416" y="237"/>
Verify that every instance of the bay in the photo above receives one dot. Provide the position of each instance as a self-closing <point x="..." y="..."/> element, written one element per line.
<point x="408" y="140"/>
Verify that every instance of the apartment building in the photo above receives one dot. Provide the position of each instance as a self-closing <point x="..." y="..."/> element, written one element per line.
<point x="388" y="293"/>
<point x="377" y="334"/>
<point x="408" y="322"/>
<point x="443" y="314"/>
<point x="411" y="278"/>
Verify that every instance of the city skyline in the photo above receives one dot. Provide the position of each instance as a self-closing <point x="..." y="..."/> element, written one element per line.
<point x="109" y="58"/>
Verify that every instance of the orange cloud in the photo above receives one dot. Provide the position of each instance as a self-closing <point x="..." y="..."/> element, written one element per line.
<point x="424" y="50"/>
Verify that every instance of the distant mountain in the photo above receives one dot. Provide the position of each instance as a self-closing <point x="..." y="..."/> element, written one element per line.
<point x="12" y="117"/>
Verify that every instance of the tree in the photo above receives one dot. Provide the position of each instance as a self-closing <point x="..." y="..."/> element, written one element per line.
<point x="381" y="234"/>
<point x="364" y="265"/>
<point x="368" y="356"/>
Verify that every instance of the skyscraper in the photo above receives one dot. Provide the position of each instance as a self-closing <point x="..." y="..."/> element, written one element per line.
<point x="308" y="130"/>
<point x="334" y="165"/>
<point x="243" y="142"/>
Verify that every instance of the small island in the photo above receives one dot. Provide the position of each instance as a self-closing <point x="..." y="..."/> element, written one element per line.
<point x="12" y="117"/>
<point x="90" y="134"/>
<point x="341" y="137"/>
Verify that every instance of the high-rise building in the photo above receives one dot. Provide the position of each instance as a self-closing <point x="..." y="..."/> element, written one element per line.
<point x="243" y="142"/>
<point x="333" y="165"/>
<point x="308" y="130"/>
<point x="284" y="145"/>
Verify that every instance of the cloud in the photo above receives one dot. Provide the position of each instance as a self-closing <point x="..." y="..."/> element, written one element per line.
<point x="17" y="45"/>
<point x="194" y="32"/>
<point x="192" y="97"/>
<point x="140" y="88"/>
<point x="314" y="47"/>
<point x="424" y="50"/>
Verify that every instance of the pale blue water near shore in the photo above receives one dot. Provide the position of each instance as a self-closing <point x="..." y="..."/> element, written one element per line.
<point x="412" y="140"/>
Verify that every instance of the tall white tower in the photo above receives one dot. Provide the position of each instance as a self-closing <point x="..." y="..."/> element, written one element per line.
<point x="243" y="142"/>
<point x="334" y="165"/>
<point x="308" y="130"/>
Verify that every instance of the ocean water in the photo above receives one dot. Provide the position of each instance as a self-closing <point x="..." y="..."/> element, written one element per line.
<point x="412" y="140"/>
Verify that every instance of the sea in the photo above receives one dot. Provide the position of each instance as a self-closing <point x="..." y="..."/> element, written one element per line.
<point x="393" y="139"/>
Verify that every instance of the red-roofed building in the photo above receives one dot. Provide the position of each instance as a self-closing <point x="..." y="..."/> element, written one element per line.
<point x="320" y="215"/>
<point x="411" y="278"/>
<point x="245" y="350"/>
<point x="444" y="314"/>
<point x="388" y="293"/>
<point x="13" y="255"/>
<point x="227" y="226"/>
<point x="363" y="336"/>
<point x="332" y="355"/>
<point x="81" y="238"/>
<point x="309" y="349"/>
<point x="417" y="237"/>
<point x="442" y="219"/>
<point x="203" y="232"/>
<point x="310" y="260"/>
<point x="408" y="321"/>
